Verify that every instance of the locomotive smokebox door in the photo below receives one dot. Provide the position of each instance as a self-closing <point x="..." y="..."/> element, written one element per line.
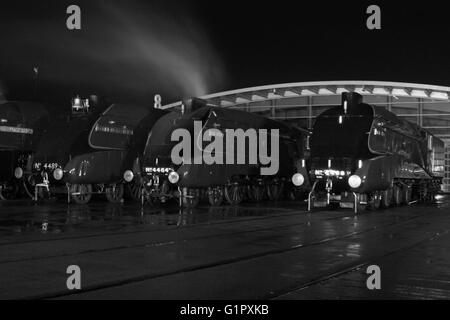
<point x="351" y="99"/>
<point x="193" y="104"/>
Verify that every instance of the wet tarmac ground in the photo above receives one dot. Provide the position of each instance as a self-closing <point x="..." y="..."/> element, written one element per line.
<point x="253" y="251"/>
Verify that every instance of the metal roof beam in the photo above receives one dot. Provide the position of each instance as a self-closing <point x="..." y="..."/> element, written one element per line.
<point x="313" y="89"/>
<point x="332" y="89"/>
<point x="368" y="89"/>
<point x="231" y="99"/>
<point x="245" y="95"/>
<point x="296" y="90"/>
<point x="261" y="95"/>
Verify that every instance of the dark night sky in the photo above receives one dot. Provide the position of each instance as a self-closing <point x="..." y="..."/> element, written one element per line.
<point x="130" y="50"/>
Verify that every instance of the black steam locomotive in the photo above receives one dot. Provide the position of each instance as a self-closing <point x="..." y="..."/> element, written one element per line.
<point x="365" y="156"/>
<point x="21" y="124"/>
<point x="65" y="137"/>
<point x="224" y="174"/>
<point x="116" y="140"/>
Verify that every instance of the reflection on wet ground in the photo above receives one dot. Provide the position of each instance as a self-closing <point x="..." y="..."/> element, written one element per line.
<point x="26" y="217"/>
<point x="130" y="251"/>
<point x="56" y="217"/>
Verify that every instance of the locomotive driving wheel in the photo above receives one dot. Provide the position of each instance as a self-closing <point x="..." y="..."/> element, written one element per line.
<point x="190" y="197"/>
<point x="234" y="193"/>
<point x="133" y="190"/>
<point x="81" y="193"/>
<point x="215" y="196"/>
<point x="9" y="191"/>
<point x="407" y="194"/>
<point x="28" y="184"/>
<point x="398" y="195"/>
<point x="386" y="198"/>
<point x="146" y="197"/>
<point x="114" y="192"/>
<point x="275" y="189"/>
<point x="361" y="202"/>
<point x="375" y="201"/>
<point x="257" y="191"/>
<point x="295" y="193"/>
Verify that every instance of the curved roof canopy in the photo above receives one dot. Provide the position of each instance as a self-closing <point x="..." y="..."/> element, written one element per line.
<point x="322" y="88"/>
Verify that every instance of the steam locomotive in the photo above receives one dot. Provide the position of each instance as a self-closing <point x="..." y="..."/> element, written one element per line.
<point x="193" y="176"/>
<point x="21" y="124"/>
<point x="60" y="141"/>
<point x="116" y="140"/>
<point x="365" y="156"/>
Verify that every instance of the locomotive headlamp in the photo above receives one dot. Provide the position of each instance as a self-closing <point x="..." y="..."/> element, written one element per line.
<point x="298" y="179"/>
<point x="354" y="181"/>
<point x="58" y="174"/>
<point x="76" y="103"/>
<point x="128" y="175"/>
<point x="18" y="172"/>
<point x="174" y="177"/>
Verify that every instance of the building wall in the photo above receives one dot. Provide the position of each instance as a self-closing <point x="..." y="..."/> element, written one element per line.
<point x="446" y="182"/>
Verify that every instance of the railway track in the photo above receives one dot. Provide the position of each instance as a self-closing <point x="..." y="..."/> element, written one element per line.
<point x="304" y="286"/>
<point x="227" y="261"/>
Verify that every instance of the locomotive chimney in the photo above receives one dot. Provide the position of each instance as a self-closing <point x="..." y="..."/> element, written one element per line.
<point x="350" y="100"/>
<point x="194" y="104"/>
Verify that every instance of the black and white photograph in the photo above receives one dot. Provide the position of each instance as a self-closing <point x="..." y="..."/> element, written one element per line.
<point x="226" y="155"/>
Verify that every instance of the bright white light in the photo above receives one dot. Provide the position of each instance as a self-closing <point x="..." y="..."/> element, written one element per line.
<point x="354" y="181"/>
<point x="18" y="173"/>
<point x="58" y="174"/>
<point x="298" y="179"/>
<point x="359" y="164"/>
<point x="329" y="163"/>
<point x="303" y="163"/>
<point x="340" y="119"/>
<point x="173" y="177"/>
<point x="128" y="175"/>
